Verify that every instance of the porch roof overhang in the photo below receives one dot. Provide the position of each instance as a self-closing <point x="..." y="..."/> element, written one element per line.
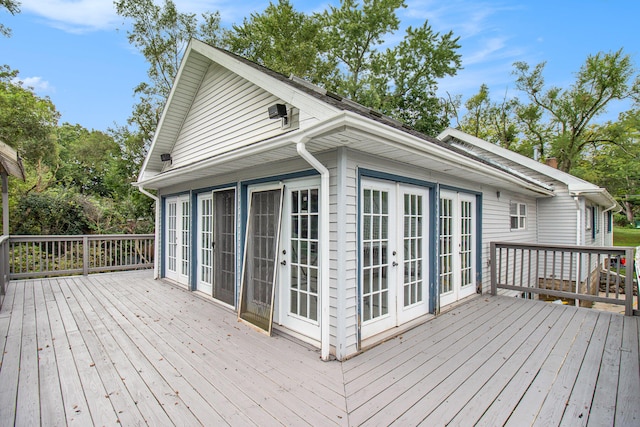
<point x="352" y="130"/>
<point x="10" y="162"/>
<point x="597" y="195"/>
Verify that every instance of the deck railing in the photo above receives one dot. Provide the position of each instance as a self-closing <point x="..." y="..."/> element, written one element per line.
<point x="47" y="256"/>
<point x="571" y="274"/>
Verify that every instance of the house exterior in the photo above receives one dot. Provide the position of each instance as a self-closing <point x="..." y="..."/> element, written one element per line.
<point x="580" y="213"/>
<point x="309" y="213"/>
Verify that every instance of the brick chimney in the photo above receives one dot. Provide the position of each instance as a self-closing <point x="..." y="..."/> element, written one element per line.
<point x="553" y="162"/>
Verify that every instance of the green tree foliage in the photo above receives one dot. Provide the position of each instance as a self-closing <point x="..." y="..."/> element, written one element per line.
<point x="52" y="212"/>
<point x="27" y="123"/>
<point x="570" y="113"/>
<point x="616" y="165"/>
<point x="161" y="33"/>
<point x="87" y="158"/>
<point x="340" y="49"/>
<point x="12" y="7"/>
<point x="284" y="40"/>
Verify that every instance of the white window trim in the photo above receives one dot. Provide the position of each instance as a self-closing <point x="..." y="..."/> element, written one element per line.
<point x="588" y="217"/>
<point x="521" y="219"/>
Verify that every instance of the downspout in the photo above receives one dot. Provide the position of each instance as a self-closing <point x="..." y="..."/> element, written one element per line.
<point x="156" y="240"/>
<point x="576" y="199"/>
<point x="324" y="245"/>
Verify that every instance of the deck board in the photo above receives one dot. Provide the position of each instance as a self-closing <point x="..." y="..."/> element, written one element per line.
<point x="123" y="349"/>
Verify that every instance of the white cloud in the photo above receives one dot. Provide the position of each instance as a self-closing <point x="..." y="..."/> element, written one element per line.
<point x="36" y="83"/>
<point x="81" y="16"/>
<point x="75" y="16"/>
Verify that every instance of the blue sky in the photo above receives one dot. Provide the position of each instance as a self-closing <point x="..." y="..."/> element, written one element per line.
<point x="76" y="51"/>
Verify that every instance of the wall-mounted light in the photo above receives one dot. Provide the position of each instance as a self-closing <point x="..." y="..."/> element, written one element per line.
<point x="277" y="111"/>
<point x="165" y="157"/>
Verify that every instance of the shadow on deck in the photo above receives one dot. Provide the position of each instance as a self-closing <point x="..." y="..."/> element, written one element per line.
<point x="124" y="349"/>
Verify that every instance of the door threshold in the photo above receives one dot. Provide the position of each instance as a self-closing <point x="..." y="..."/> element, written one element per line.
<point x="392" y="333"/>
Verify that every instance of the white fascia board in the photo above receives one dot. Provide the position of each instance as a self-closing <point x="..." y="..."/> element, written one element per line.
<point x="174" y="88"/>
<point x="445" y="155"/>
<point x="599" y="195"/>
<point x="377" y="131"/>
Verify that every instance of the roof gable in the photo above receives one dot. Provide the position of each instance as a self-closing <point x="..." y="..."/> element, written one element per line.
<point x="205" y="69"/>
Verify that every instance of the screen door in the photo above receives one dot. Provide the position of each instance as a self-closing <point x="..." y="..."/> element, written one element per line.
<point x="260" y="257"/>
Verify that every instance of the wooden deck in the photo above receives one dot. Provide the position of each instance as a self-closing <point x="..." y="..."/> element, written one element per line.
<point x="124" y="349"/>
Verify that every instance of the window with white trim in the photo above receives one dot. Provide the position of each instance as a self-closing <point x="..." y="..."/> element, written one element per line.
<point x="588" y="217"/>
<point x="518" y="215"/>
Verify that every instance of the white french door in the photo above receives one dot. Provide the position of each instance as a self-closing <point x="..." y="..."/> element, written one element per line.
<point x="393" y="255"/>
<point x="457" y="246"/>
<point x="216" y="245"/>
<point x="298" y="308"/>
<point x="177" y="233"/>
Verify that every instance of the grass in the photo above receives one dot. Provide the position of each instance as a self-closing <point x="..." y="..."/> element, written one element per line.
<point x="626" y="236"/>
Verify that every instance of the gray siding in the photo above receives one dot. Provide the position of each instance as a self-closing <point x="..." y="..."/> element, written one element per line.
<point x="228" y="112"/>
<point x="557" y="224"/>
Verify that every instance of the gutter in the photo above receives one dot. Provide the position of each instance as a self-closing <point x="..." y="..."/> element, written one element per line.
<point x="156" y="240"/>
<point x="324" y="244"/>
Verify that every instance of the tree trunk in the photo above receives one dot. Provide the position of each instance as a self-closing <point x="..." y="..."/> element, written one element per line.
<point x="628" y="210"/>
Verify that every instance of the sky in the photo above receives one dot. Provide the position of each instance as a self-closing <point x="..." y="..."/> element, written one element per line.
<point x="76" y="51"/>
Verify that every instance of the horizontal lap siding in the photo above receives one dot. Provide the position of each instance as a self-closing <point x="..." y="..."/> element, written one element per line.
<point x="344" y="283"/>
<point x="557" y="225"/>
<point x="227" y="113"/>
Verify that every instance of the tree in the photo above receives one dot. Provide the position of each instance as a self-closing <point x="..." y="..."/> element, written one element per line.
<point x="400" y="81"/>
<point x="12" y="7"/>
<point x="616" y="165"/>
<point x="87" y="158"/>
<point x="492" y="121"/>
<point x="340" y="50"/>
<point x="27" y="123"/>
<point x="284" y="40"/>
<point x="161" y="34"/>
<point x="604" y="78"/>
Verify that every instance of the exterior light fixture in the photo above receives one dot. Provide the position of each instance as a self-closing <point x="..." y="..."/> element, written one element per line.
<point x="277" y="111"/>
<point x="165" y="157"/>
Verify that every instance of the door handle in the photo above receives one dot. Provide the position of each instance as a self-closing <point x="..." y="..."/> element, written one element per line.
<point x="394" y="264"/>
<point x="283" y="262"/>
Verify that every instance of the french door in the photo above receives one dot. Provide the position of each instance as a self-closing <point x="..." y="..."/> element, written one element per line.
<point x="216" y="245"/>
<point x="457" y="246"/>
<point x="299" y="296"/>
<point x="177" y="234"/>
<point x="394" y="236"/>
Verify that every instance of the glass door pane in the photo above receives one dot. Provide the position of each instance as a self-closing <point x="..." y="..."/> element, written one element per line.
<point x="205" y="280"/>
<point x="446" y="245"/>
<point x="413" y="244"/>
<point x="304" y="223"/>
<point x="184" y="238"/>
<point x="375" y="259"/>
<point x="466" y="243"/>
<point x="224" y="243"/>
<point x="172" y="238"/>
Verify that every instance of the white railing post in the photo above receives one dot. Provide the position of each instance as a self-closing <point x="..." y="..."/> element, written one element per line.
<point x="628" y="283"/>
<point x="494" y="269"/>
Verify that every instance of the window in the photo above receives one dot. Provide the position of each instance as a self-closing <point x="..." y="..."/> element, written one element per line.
<point x="588" y="218"/>
<point x="518" y="215"/>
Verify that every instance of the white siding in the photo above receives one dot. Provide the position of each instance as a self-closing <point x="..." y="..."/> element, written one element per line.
<point x="228" y="112"/>
<point x="557" y="223"/>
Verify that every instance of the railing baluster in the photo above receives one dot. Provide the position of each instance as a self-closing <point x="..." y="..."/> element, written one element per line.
<point x="46" y="256"/>
<point x="569" y="272"/>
